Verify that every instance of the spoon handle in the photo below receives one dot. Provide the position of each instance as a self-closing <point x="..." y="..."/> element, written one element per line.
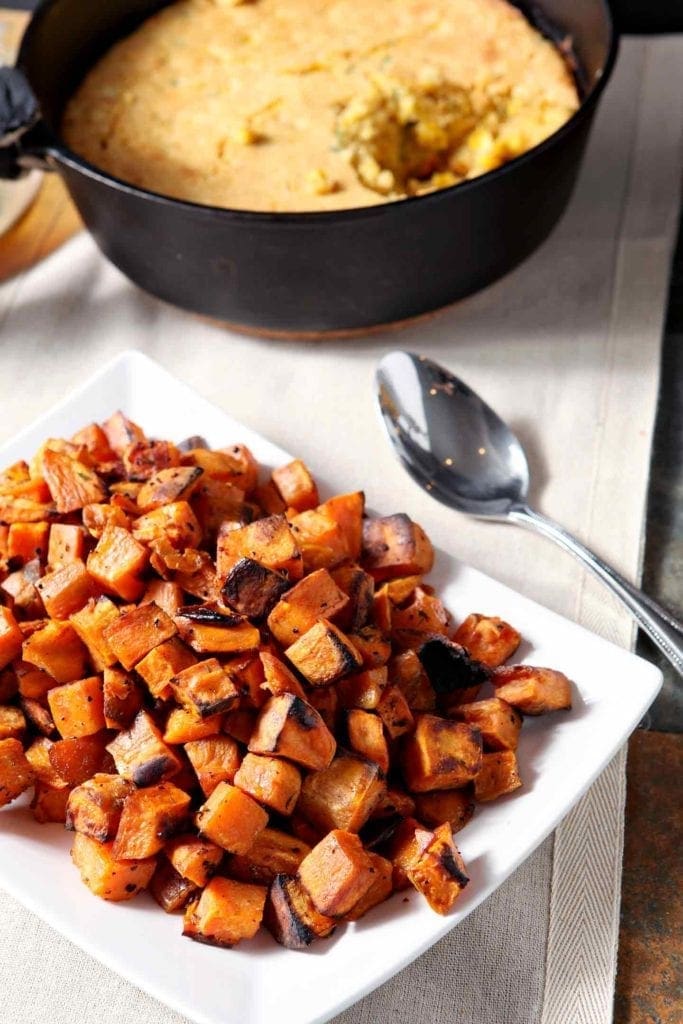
<point x="662" y="628"/>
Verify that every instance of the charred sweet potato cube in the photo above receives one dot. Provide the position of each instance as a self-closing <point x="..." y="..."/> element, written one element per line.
<point x="105" y="876"/>
<point x="66" y="543"/>
<point x="78" y="708"/>
<point x="289" y="727"/>
<point x="171" y="891"/>
<point x="437" y="870"/>
<point x="49" y="803"/>
<point x="394" y="711"/>
<point x="252" y="589"/>
<point x="291" y="916"/>
<point x="89" y="623"/>
<point x="175" y="524"/>
<point x="72" y="484"/>
<point x="226" y="912"/>
<point x="277" y="677"/>
<point x="163" y="663"/>
<point x="65" y="591"/>
<point x="141" y="755"/>
<point x="137" y="631"/>
<point x="488" y="639"/>
<point x="373" y="647"/>
<point x="380" y="889"/>
<point x="533" y="691"/>
<point x="12" y="722"/>
<point x="296" y="485"/>
<point x="184" y="725"/>
<point x="269" y="541"/>
<point x="271" y="781"/>
<point x="324" y="654"/>
<point x="320" y="538"/>
<point x="315" y="597"/>
<point x="210" y="629"/>
<point x="231" y="819"/>
<point x="342" y="795"/>
<point x="395" y="546"/>
<point x="214" y="759"/>
<point x="337" y="873"/>
<point x="57" y="650"/>
<point x="366" y="737"/>
<point x="78" y="758"/>
<point x="455" y="676"/>
<point x="497" y="721"/>
<point x="498" y="775"/>
<point x="95" y="806"/>
<point x="359" y="587"/>
<point x="123" y="698"/>
<point x="272" y="853"/>
<point x="194" y="858"/>
<point x="149" y="818"/>
<point x="26" y="541"/>
<point x="454" y="806"/>
<point x="440" y="754"/>
<point x="206" y="688"/>
<point x="394" y="803"/>
<point x="117" y="562"/>
<point x="16" y="774"/>
<point x="11" y="637"/>
<point x="175" y="483"/>
<point x="424" y="616"/>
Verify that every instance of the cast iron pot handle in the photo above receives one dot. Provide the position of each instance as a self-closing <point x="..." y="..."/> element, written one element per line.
<point x="19" y="113"/>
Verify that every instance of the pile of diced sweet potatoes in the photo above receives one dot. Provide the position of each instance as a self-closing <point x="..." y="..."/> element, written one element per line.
<point x="237" y="696"/>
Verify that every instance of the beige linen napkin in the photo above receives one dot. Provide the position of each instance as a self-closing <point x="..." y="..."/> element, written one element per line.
<point x="566" y="348"/>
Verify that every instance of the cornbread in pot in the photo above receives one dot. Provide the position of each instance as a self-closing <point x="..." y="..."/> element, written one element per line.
<point x="308" y="105"/>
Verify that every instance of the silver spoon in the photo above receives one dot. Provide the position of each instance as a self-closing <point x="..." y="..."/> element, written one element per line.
<point x="466" y="457"/>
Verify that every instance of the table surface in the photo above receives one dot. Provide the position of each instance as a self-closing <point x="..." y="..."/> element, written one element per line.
<point x="651" y="915"/>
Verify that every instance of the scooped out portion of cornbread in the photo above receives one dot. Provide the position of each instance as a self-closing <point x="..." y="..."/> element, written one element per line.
<point x="294" y="105"/>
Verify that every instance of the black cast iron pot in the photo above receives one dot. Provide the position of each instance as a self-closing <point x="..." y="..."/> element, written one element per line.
<point x="303" y="272"/>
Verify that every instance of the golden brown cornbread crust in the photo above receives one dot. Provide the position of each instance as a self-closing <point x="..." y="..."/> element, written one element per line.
<point x="290" y="105"/>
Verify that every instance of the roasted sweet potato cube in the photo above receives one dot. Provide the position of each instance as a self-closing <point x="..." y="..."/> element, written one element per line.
<point x="12" y="722"/>
<point x="337" y="873"/>
<point x="269" y="541"/>
<point x="72" y="484"/>
<point x="235" y="465"/>
<point x="206" y="687"/>
<point x="11" y="637"/>
<point x="277" y="677"/>
<point x="424" y="616"/>
<point x="454" y="806"/>
<point x="95" y="442"/>
<point x="78" y="758"/>
<point x="402" y="851"/>
<point x="497" y="721"/>
<point x="175" y="483"/>
<point x="141" y="755"/>
<point x="66" y="543"/>
<point x="215" y="759"/>
<point x="231" y="819"/>
<point x="89" y="623"/>
<point x="380" y="889"/>
<point x="252" y="589"/>
<point x="163" y="663"/>
<point x="440" y="754"/>
<point x="373" y="647"/>
<point x="39" y="717"/>
<point x="498" y="775"/>
<point x="438" y="871"/>
<point x="394" y="803"/>
<point x="455" y="676"/>
<point x="296" y="485"/>
<point x="32" y="682"/>
<point x="289" y="727"/>
<point x="272" y="853"/>
<point x="117" y="561"/>
<point x="167" y="594"/>
<point x="149" y="818"/>
<point x="57" y="650"/>
<point x="78" y="708"/>
<point x="26" y="541"/>
<point x="49" y="803"/>
<point x="38" y="756"/>
<point x="105" y="876"/>
<point x="97" y="517"/>
<point x="65" y="591"/>
<point x="324" y="654"/>
<point x="226" y="912"/>
<point x="359" y="587"/>
<point x="291" y="916"/>
<point x="16" y="773"/>
<point x="533" y="691"/>
<point x="320" y="538"/>
<point x="325" y="700"/>
<point x="194" y="858"/>
<point x="366" y="736"/>
<point x="184" y="725"/>
<point x="175" y="524"/>
<point x="121" y="432"/>
<point x="315" y="597"/>
<point x="171" y="891"/>
<point x="363" y="689"/>
<point x="271" y="781"/>
<point x="343" y="795"/>
<point x="210" y="629"/>
<point x="394" y="711"/>
<point x="347" y="510"/>
<point x="20" y="588"/>
<point x="395" y="546"/>
<point x="488" y="639"/>
<point x="123" y="698"/>
<point x="94" y="807"/>
<point x="137" y="631"/>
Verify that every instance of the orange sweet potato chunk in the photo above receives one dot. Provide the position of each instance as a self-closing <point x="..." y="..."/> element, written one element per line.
<point x="141" y="755"/>
<point x="395" y="546"/>
<point x="437" y="870"/>
<point x="57" y="650"/>
<point x="16" y="773"/>
<point x="290" y="727"/>
<point x="11" y="637"/>
<point x="78" y="708"/>
<point x="269" y="541"/>
<point x="149" y="818"/>
<point x="497" y="776"/>
<point x="215" y="759"/>
<point x="26" y="541"/>
<point x="226" y="912"/>
<point x="497" y="721"/>
<point x="337" y="873"/>
<point x="366" y="736"/>
<point x="66" y="590"/>
<point x="315" y="597"/>
<point x="117" y="561"/>
<point x="231" y="818"/>
<point x="296" y="485"/>
<point x="440" y="754"/>
<point x="533" y="691"/>
<point x="206" y="688"/>
<point x="94" y="807"/>
<point x="343" y="795"/>
<point x="90" y="622"/>
<point x="290" y="915"/>
<point x="488" y="639"/>
<point x="162" y="663"/>
<point x="66" y="543"/>
<point x="271" y="781"/>
<point x="324" y="654"/>
<point x="105" y="876"/>
<point x="137" y="631"/>
<point x="72" y="484"/>
<point x="194" y="858"/>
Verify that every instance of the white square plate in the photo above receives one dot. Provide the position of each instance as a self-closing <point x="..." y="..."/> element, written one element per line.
<point x="258" y="982"/>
